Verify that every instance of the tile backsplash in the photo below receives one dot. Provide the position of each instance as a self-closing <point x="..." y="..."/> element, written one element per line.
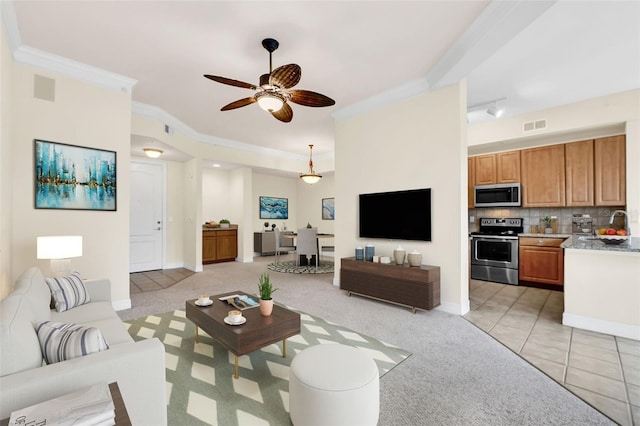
<point x="600" y="215"/>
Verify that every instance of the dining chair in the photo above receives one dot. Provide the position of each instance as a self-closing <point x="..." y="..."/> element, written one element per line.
<point x="307" y="244"/>
<point x="279" y="247"/>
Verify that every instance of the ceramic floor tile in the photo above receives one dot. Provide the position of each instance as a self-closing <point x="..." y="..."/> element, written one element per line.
<point x="513" y="338"/>
<point x="628" y="346"/>
<point x="598" y="340"/>
<point x="616" y="410"/>
<point x="552" y="369"/>
<point x="596" y="366"/>
<point x="631" y="368"/>
<point x="545" y="352"/>
<point x="595" y="383"/>
<point x="635" y="414"/>
<point x="594" y="352"/>
<point x="522" y="322"/>
<point x="634" y="394"/>
<point x="556" y="341"/>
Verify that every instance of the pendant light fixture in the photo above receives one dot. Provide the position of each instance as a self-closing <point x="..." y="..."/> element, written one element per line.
<point x="152" y="152"/>
<point x="310" y="177"/>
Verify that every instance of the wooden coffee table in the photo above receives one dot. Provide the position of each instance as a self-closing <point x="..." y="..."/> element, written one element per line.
<point x="254" y="334"/>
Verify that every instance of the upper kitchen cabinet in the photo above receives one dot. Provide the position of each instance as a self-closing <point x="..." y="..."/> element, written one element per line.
<point x="610" y="171"/>
<point x="503" y="167"/>
<point x="471" y="170"/>
<point x="543" y="183"/>
<point x="578" y="157"/>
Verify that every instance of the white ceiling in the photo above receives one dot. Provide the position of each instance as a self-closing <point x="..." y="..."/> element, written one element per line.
<point x="532" y="54"/>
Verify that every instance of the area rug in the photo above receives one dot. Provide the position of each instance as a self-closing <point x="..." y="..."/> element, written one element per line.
<point x="290" y="267"/>
<point x="201" y="389"/>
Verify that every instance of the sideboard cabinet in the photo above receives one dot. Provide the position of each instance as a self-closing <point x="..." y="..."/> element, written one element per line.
<point x="415" y="287"/>
<point x="219" y="245"/>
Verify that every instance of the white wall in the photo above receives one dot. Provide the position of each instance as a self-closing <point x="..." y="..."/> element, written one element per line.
<point x="417" y="143"/>
<point x="274" y="186"/>
<point x="310" y="204"/>
<point x="85" y="115"/>
<point x="215" y="196"/>
<point x="6" y="282"/>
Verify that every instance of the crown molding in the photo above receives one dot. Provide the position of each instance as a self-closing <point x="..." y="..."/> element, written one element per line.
<point x="10" y="24"/>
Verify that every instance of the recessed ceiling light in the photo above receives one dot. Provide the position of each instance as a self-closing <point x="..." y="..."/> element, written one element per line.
<point x="216" y="165"/>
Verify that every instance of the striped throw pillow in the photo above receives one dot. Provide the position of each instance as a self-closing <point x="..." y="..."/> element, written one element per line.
<point x="68" y="292"/>
<point x="60" y="341"/>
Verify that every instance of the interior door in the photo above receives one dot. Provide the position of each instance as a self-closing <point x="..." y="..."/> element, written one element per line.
<point x="145" y="230"/>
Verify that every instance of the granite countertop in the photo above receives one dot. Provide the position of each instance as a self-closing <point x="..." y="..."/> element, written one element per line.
<point x="544" y="235"/>
<point x="631" y="245"/>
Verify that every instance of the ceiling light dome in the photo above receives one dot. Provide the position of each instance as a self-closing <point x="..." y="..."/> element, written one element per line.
<point x="152" y="152"/>
<point x="270" y="101"/>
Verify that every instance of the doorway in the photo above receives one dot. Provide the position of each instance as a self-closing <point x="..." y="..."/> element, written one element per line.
<point x="146" y="219"/>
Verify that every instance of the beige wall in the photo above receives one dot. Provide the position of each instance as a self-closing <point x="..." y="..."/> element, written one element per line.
<point x="85" y="115"/>
<point x="310" y="204"/>
<point x="6" y="282"/>
<point x="274" y="186"/>
<point x="417" y="143"/>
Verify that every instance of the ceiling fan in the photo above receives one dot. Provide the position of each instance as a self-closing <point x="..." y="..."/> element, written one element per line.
<point x="274" y="90"/>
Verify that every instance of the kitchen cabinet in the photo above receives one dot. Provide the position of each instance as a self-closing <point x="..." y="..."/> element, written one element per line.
<point x="471" y="170"/>
<point x="610" y="171"/>
<point x="219" y="245"/>
<point x="503" y="167"/>
<point x="579" y="171"/>
<point x="541" y="260"/>
<point x="543" y="176"/>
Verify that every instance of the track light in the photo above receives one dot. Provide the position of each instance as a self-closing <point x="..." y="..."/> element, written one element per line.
<point x="494" y="111"/>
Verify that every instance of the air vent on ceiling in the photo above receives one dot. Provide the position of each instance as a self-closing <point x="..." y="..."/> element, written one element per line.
<point x="168" y="130"/>
<point x="534" y="125"/>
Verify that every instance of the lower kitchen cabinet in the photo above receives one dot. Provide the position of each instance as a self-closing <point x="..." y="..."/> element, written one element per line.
<point x="541" y="260"/>
<point x="219" y="245"/>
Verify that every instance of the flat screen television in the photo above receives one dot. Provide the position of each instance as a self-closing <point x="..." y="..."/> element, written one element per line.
<point x="397" y="215"/>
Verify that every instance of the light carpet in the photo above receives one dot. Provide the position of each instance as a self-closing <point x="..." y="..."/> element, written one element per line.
<point x="289" y="267"/>
<point x="200" y="384"/>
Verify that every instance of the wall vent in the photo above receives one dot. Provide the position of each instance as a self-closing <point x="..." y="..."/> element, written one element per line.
<point x="44" y="88"/>
<point x="534" y="125"/>
<point x="168" y="130"/>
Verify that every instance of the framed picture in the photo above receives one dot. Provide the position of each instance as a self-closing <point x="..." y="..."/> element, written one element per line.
<point x="328" y="211"/>
<point x="274" y="208"/>
<point x="72" y="177"/>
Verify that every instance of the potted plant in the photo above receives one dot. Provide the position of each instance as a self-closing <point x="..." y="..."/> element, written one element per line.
<point x="265" y="289"/>
<point x="266" y="226"/>
<point x="224" y="223"/>
<point x="546" y="222"/>
<point x="308" y="225"/>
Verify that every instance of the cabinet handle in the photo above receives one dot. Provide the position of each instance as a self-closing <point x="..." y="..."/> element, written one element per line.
<point x="540" y="243"/>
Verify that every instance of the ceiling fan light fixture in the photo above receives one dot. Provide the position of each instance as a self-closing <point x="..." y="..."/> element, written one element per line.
<point x="152" y="152"/>
<point x="270" y="101"/>
<point x="311" y="177"/>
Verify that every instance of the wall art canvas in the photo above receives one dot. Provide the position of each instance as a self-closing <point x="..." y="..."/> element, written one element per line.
<point x="72" y="177"/>
<point x="274" y="208"/>
<point x="328" y="211"/>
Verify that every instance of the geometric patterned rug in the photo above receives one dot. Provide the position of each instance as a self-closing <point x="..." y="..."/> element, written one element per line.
<point x="200" y="386"/>
<point x="289" y="267"/>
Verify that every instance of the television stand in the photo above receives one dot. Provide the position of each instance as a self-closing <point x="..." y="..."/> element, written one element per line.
<point x="413" y="287"/>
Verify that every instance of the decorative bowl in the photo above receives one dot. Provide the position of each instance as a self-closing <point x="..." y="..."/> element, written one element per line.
<point x="613" y="239"/>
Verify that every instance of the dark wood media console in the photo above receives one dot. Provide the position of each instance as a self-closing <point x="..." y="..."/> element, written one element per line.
<point x="415" y="287"/>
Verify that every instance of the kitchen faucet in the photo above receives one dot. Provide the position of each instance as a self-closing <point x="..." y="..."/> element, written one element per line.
<point x="626" y="218"/>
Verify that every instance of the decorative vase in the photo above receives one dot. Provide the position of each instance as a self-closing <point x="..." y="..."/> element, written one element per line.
<point x="414" y="258"/>
<point x="369" y="252"/>
<point x="359" y="253"/>
<point x="266" y="307"/>
<point x="398" y="255"/>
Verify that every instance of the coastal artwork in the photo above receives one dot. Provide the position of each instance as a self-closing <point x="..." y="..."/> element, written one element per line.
<point x="274" y="208"/>
<point x="74" y="177"/>
<point x="328" y="210"/>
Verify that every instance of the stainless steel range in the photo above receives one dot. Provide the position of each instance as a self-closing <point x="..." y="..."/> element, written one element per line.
<point x="494" y="250"/>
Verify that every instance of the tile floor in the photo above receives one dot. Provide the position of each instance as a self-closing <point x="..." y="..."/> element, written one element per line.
<point x="601" y="369"/>
<point x="156" y="280"/>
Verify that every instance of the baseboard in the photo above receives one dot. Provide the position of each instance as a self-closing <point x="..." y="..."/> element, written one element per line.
<point x="601" y="326"/>
<point x="120" y="305"/>
<point x="453" y="308"/>
<point x="174" y="265"/>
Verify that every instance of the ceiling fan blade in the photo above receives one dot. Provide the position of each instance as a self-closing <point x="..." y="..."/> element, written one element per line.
<point x="230" y="82"/>
<point x="286" y="76"/>
<point x="310" y="99"/>
<point x="284" y="114"/>
<point x="239" y="103"/>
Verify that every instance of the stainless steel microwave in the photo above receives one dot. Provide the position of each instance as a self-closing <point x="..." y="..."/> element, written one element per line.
<point x="500" y="195"/>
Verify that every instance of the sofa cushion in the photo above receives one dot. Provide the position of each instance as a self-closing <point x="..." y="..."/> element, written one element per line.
<point x="60" y="341"/>
<point x="68" y="292"/>
<point x="19" y="346"/>
<point x="86" y="313"/>
<point x="31" y="284"/>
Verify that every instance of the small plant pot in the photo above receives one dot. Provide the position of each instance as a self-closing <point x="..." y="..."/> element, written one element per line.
<point x="224" y="225"/>
<point x="548" y="230"/>
<point x="266" y="307"/>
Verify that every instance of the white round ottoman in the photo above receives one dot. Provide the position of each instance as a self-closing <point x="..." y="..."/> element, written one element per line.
<point x="332" y="385"/>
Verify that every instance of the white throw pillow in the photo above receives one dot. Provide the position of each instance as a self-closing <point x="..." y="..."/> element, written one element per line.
<point x="68" y="292"/>
<point x="60" y="341"/>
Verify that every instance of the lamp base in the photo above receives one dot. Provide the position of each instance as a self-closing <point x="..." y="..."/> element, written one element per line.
<point x="60" y="267"/>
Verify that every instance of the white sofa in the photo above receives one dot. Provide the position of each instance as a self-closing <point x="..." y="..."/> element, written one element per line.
<point x="137" y="367"/>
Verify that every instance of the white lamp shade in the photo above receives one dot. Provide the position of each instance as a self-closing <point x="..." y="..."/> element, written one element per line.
<point x="59" y="247"/>
<point x="270" y="103"/>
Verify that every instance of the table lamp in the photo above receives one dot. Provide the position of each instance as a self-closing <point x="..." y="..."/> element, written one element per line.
<point x="60" y="250"/>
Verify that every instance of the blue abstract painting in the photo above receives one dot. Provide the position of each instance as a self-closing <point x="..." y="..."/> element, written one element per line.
<point x="74" y="177"/>
<point x="328" y="209"/>
<point x="274" y="208"/>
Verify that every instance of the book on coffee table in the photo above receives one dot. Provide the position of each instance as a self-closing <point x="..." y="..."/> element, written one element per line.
<point x="240" y="302"/>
